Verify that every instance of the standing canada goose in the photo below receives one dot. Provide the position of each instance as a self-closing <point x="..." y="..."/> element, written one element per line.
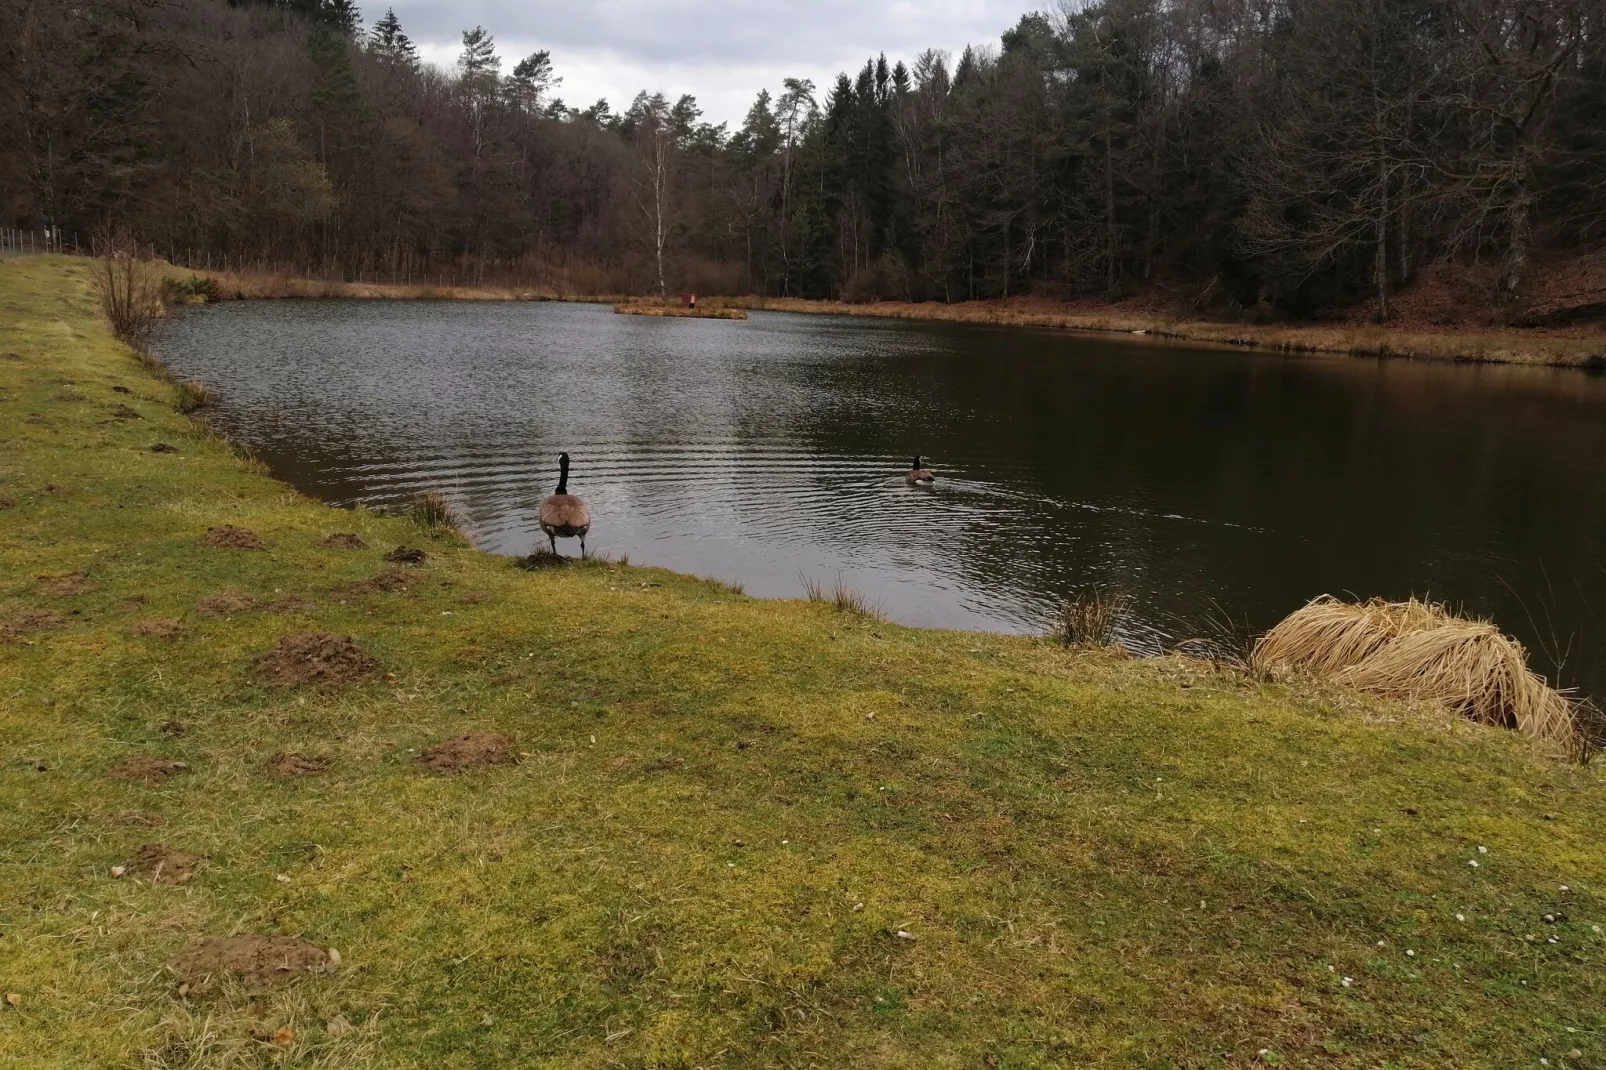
<point x="564" y="515"/>
<point x="917" y="475"/>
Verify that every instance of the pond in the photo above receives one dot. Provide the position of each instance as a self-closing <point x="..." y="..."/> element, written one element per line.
<point x="1219" y="488"/>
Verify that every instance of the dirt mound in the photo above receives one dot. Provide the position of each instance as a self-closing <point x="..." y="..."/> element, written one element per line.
<point x="121" y="389"/>
<point x="225" y="604"/>
<point x="146" y="770"/>
<point x="163" y="864"/>
<point x="29" y="620"/>
<point x="468" y="751"/>
<point x="65" y="586"/>
<point x="390" y="579"/>
<point x="316" y="658"/>
<point x="7" y="503"/>
<point x="256" y="960"/>
<point x="287" y="765"/>
<point x="174" y="729"/>
<point x="132" y="604"/>
<point x="344" y="540"/>
<point x="159" y="627"/>
<point x="406" y="555"/>
<point x="164" y="447"/>
<point x="541" y="559"/>
<point x="123" y="412"/>
<point x="229" y="536"/>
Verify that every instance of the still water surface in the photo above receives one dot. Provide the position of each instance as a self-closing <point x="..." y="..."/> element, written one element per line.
<point x="1208" y="483"/>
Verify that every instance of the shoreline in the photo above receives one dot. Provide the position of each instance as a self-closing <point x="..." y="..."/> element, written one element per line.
<point x="1580" y="348"/>
<point x="667" y="816"/>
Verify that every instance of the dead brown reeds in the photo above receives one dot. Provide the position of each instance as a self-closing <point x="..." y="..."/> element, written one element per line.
<point x="1421" y="652"/>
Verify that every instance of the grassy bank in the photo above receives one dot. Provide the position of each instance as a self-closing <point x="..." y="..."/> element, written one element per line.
<point x="1573" y="347"/>
<point x="728" y="832"/>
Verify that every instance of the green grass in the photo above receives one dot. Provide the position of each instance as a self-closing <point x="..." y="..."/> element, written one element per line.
<point x="710" y="845"/>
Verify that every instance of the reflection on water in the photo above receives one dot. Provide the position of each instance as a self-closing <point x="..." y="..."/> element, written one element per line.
<point x="1204" y="482"/>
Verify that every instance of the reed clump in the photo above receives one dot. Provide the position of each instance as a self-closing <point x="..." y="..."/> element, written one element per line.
<point x="194" y="395"/>
<point x="1421" y="651"/>
<point x="839" y="596"/>
<point x="1090" y="618"/>
<point x="431" y="511"/>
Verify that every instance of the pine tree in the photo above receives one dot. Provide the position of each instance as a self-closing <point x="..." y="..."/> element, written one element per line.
<point x="387" y="41"/>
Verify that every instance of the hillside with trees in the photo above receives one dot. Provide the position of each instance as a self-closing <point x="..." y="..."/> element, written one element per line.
<point x="1286" y="157"/>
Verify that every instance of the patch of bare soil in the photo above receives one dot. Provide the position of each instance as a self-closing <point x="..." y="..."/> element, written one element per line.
<point x="13" y="356"/>
<point x="159" y="627"/>
<point x="121" y="389"/>
<point x="541" y="559"/>
<point x="225" y="604"/>
<point x="406" y="555"/>
<point x="292" y="603"/>
<point x="65" y="586"/>
<point x="287" y="765"/>
<point x="7" y="503"/>
<point x="138" y="819"/>
<point x="344" y="540"/>
<point x="146" y="770"/>
<point x="124" y="412"/>
<point x="663" y="764"/>
<point x="390" y="579"/>
<point x="468" y="751"/>
<point x="71" y="395"/>
<point x="29" y="620"/>
<point x="474" y="598"/>
<point x="174" y="729"/>
<point x="132" y="604"/>
<point x="163" y="864"/>
<point x="316" y="658"/>
<point x="164" y="447"/>
<point x="258" y="961"/>
<point x="231" y="537"/>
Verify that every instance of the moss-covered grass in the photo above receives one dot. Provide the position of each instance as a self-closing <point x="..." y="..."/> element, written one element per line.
<point x="726" y="815"/>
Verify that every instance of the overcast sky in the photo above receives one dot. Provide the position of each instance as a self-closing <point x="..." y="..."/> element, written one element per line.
<point x="720" y="51"/>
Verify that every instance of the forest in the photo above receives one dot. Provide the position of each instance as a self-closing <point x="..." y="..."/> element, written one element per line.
<point x="1288" y="156"/>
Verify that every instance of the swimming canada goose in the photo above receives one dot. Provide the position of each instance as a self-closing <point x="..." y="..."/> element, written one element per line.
<point x="564" y="515"/>
<point x="923" y="476"/>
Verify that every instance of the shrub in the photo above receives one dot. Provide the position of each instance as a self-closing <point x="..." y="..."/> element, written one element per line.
<point x="129" y="287"/>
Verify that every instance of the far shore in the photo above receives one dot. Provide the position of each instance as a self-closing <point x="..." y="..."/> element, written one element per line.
<point x="1578" y="346"/>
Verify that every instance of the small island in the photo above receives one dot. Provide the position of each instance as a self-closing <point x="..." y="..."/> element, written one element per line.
<point x="686" y="307"/>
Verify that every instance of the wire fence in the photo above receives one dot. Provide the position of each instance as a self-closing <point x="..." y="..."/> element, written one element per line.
<point x="17" y="242"/>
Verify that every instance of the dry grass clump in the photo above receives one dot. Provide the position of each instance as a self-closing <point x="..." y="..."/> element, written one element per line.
<point x="1090" y="618"/>
<point x="840" y="596"/>
<point x="193" y="396"/>
<point x="1420" y="651"/>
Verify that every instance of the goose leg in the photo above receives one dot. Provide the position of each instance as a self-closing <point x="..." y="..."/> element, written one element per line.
<point x="582" y="547"/>
<point x="553" y="539"/>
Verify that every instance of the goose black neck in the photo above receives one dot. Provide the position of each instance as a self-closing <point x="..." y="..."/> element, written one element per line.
<point x="563" y="473"/>
<point x="916" y="465"/>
